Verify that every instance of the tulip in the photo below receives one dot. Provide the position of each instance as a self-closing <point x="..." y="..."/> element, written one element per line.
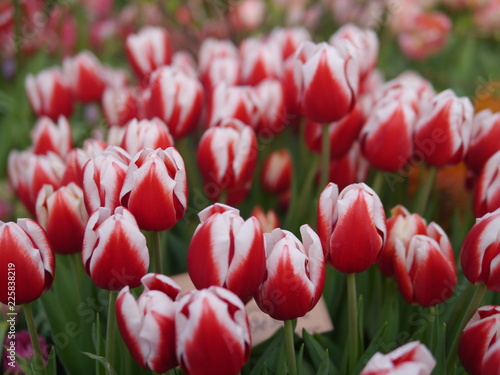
<point x="25" y="251"/>
<point x="223" y="70"/>
<point x="276" y="172"/>
<point x="295" y="274"/>
<point x="114" y="252"/>
<point x="351" y="227"/>
<point x="268" y="221"/>
<point x="272" y="108"/>
<point x="211" y="53"/>
<point x="49" y="94"/>
<point x="288" y="40"/>
<point x="485" y="130"/>
<point x="29" y="172"/>
<point x="487" y="191"/>
<point x="443" y="130"/>
<point x="410" y="359"/>
<point x="291" y="89"/>
<point x="120" y="105"/>
<point x="387" y="137"/>
<point x="349" y="169"/>
<point x="155" y="188"/>
<point x="227" y="156"/>
<point x="480" y="253"/>
<point x="148" y="50"/>
<point x="78" y="157"/>
<point x="63" y="215"/>
<point x="176" y="98"/>
<point x="148" y="324"/>
<point x="143" y="134"/>
<point x="491" y="360"/>
<point x="184" y="61"/>
<point x="480" y="333"/>
<point x="103" y="178"/>
<point x="85" y="76"/>
<point x="227" y="251"/>
<point x="247" y="14"/>
<point x="425" y="270"/>
<point x="212" y="332"/>
<point x="401" y="228"/>
<point x="50" y="137"/>
<point x="259" y="61"/>
<point x="329" y="75"/>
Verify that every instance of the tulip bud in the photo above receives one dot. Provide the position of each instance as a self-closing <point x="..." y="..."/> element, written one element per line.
<point x="25" y="250"/>
<point x="485" y="130"/>
<point x="212" y="332"/>
<point x="77" y="158"/>
<point x="425" y="270"/>
<point x="63" y="215"/>
<point x="148" y="324"/>
<point x="349" y="169"/>
<point x="480" y="254"/>
<point x="223" y="70"/>
<point x="227" y="251"/>
<point x="177" y="99"/>
<point x="442" y="132"/>
<point x="276" y="173"/>
<point x="155" y="188"/>
<point x="85" y="76"/>
<point x="49" y="94"/>
<point x="288" y="39"/>
<point x="480" y="333"/>
<point x="259" y="61"/>
<point x="295" y="274"/>
<point x="103" y="178"/>
<point x="29" y="172"/>
<point x="487" y="189"/>
<point x="143" y="134"/>
<point x="411" y="359"/>
<point x="212" y="50"/>
<point x="268" y="221"/>
<point x="119" y="105"/>
<point x="50" y="137"/>
<point x="351" y="227"/>
<point x="330" y="75"/>
<point x="114" y="252"/>
<point x="272" y="108"/>
<point x="401" y="228"/>
<point x="227" y="156"/>
<point x="148" y="50"/>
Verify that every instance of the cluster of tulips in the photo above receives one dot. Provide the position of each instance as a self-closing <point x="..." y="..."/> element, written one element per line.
<point x="100" y="199"/>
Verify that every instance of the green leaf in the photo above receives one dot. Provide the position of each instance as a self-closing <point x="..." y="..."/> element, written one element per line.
<point x="51" y="368"/>
<point x="300" y="357"/>
<point x="317" y="353"/>
<point x="374" y="347"/>
<point x="103" y="361"/>
<point x="270" y="355"/>
<point x="324" y="367"/>
<point x="281" y="368"/>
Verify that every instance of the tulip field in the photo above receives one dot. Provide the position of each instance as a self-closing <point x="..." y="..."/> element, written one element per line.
<point x="224" y="187"/>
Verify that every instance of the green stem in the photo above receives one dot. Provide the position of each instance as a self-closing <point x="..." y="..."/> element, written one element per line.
<point x="353" y="320"/>
<point x="426" y="191"/>
<point x="473" y="306"/>
<point x="223" y="196"/>
<point x="111" y="328"/>
<point x="30" y="321"/>
<point x="325" y="156"/>
<point x="378" y="182"/>
<point x="290" y="348"/>
<point x="157" y="252"/>
<point x="76" y="264"/>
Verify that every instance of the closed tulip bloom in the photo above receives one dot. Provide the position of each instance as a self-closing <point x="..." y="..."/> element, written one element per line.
<point x="350" y="168"/>
<point x="143" y="134"/>
<point x="147" y="325"/>
<point x="78" y="157"/>
<point x="155" y="188"/>
<point x="211" y="50"/>
<point x="177" y="99"/>
<point x="479" y="335"/>
<point x="276" y="172"/>
<point x="49" y="94"/>
<point x="259" y="61"/>
<point x="272" y="108"/>
<point x="342" y="133"/>
<point x="212" y="332"/>
<point x="487" y="189"/>
<point x="288" y="39"/>
<point x="227" y="156"/>
<point x="103" y="178"/>
<point x="227" y="251"/>
<point x="351" y="226"/>
<point x="485" y="130"/>
<point x="410" y="359"/>
<point x="330" y="77"/>
<point x="114" y="253"/>
<point x="443" y="130"/>
<point x="425" y="270"/>
<point x="387" y="136"/>
<point x="25" y="246"/>
<point x="48" y="136"/>
<point x="29" y="172"/>
<point x="63" y="215"/>
<point x="401" y="228"/>
<point x="267" y="220"/>
<point x="148" y="50"/>
<point x="120" y="105"/>
<point x="480" y="254"/>
<point x="223" y="70"/>
<point x="291" y="88"/>
<point x="295" y="274"/>
<point x="491" y="360"/>
<point x="85" y="76"/>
